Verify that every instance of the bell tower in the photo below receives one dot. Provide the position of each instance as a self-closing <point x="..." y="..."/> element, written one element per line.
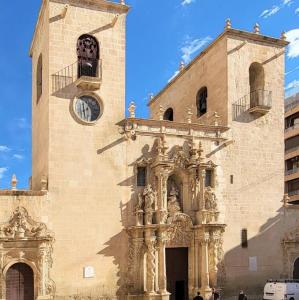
<point x="78" y="81"/>
<point x="78" y="97"/>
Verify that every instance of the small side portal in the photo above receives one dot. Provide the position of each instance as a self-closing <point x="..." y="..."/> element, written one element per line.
<point x="177" y="273"/>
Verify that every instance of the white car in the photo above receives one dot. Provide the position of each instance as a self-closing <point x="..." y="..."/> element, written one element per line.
<point x="281" y="290"/>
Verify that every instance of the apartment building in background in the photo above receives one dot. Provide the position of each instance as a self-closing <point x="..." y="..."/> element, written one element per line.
<point x="292" y="148"/>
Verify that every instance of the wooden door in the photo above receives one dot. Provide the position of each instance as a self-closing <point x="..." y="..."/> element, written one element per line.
<point x="19" y="282"/>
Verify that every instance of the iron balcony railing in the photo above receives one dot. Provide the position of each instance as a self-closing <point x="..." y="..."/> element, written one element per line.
<point x="293" y="193"/>
<point x="291" y="149"/>
<point x="258" y="98"/>
<point x="68" y="75"/>
<point x="295" y="126"/>
<point x="291" y="171"/>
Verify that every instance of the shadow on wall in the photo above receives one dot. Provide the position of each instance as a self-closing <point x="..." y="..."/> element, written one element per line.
<point x="248" y="267"/>
<point x="117" y="247"/>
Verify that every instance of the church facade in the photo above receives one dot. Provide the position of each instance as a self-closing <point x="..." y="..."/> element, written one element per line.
<point x="126" y="208"/>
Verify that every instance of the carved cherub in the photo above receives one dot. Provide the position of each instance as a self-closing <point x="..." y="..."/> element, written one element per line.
<point x="139" y="204"/>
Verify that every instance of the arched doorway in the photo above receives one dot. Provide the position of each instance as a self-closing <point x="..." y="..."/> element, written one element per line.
<point x="296" y="269"/>
<point x="19" y="282"/>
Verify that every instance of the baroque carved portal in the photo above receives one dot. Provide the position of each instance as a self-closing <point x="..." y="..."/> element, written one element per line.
<point x="23" y="240"/>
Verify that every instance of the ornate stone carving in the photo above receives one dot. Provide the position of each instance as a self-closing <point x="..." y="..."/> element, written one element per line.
<point x="210" y="199"/>
<point x="21" y="225"/>
<point x="173" y="204"/>
<point x="150" y="200"/>
<point x="150" y="266"/>
<point x="180" y="233"/>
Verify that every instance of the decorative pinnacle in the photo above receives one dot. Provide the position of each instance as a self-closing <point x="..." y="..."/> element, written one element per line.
<point x="228" y="24"/>
<point x="283" y="36"/>
<point x="161" y="112"/>
<point x="256" y="28"/>
<point x="14" y="182"/>
<point x="150" y="96"/>
<point x="189" y="116"/>
<point x="122" y="2"/>
<point x="216" y="118"/>
<point x="182" y="65"/>
<point x="132" y="108"/>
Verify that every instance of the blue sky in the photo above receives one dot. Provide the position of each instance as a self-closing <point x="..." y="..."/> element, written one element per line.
<point x="160" y="33"/>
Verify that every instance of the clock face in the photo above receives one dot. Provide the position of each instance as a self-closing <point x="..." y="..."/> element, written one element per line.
<point x="87" y="108"/>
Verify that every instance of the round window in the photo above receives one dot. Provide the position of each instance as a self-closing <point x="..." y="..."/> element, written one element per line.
<point x="87" y="108"/>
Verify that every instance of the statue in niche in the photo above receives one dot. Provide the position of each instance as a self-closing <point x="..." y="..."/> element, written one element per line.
<point x="173" y="204"/>
<point x="210" y="199"/>
<point x="150" y="197"/>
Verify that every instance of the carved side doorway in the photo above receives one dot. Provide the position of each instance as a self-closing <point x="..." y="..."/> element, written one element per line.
<point x="25" y="258"/>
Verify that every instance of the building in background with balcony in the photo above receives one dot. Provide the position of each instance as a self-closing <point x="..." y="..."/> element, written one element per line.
<point x="292" y="148"/>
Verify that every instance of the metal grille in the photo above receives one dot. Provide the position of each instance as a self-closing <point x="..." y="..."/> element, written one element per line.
<point x="19" y="283"/>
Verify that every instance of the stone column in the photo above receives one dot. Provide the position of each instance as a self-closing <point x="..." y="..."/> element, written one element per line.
<point x="42" y="277"/>
<point x="162" y="195"/>
<point x="205" y="278"/>
<point x="196" y="265"/>
<point x="150" y="241"/>
<point x="201" y="205"/>
<point x="162" y="262"/>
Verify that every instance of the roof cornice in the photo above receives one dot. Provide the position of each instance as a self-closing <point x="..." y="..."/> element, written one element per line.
<point x="230" y="32"/>
<point x="100" y="4"/>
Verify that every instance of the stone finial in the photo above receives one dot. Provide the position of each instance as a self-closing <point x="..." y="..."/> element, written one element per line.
<point x="44" y="183"/>
<point x="182" y="66"/>
<point x="216" y="118"/>
<point x="132" y="108"/>
<point x="283" y="36"/>
<point x="14" y="182"/>
<point x="122" y="2"/>
<point x="228" y="24"/>
<point x="189" y="116"/>
<point x="256" y="28"/>
<point x="200" y="151"/>
<point x="161" y="112"/>
<point x="150" y="96"/>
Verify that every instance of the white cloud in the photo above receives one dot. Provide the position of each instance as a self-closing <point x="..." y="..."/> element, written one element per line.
<point x="293" y="84"/>
<point x="293" y="38"/>
<point x="292" y="88"/>
<point x="297" y="11"/>
<point x="18" y="156"/>
<point x="270" y="12"/>
<point x="2" y="171"/>
<point x="287" y="2"/>
<point x="4" y="148"/>
<point x="191" y="46"/>
<point x="22" y="123"/>
<point x="186" y="2"/>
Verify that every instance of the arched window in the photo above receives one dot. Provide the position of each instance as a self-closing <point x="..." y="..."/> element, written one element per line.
<point x="168" y="115"/>
<point x="39" y="78"/>
<point x="257" y="84"/>
<point x="88" y="56"/>
<point x="201" y="101"/>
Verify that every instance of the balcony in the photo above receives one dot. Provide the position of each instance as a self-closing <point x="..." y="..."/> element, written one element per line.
<point x="256" y="102"/>
<point x="291" y="171"/>
<point x="86" y="75"/>
<point x="260" y="101"/>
